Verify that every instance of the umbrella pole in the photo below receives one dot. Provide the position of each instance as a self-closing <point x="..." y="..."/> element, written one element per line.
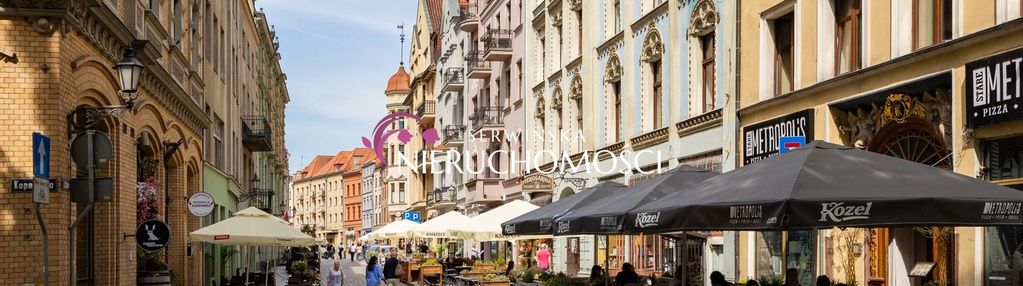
<point x="607" y="258"/>
<point x="248" y="252"/>
<point x="684" y="246"/>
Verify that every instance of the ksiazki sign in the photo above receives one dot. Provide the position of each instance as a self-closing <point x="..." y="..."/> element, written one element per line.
<point x="200" y="204"/>
<point x="152" y="235"/>
<point x="993" y="85"/>
<point x="764" y="139"/>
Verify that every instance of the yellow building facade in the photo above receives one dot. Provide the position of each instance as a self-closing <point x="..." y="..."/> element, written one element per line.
<point x="934" y="81"/>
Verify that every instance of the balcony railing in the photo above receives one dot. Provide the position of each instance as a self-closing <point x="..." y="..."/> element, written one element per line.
<point x="469" y="18"/>
<point x="256" y="132"/>
<point x="454" y="79"/>
<point x="478" y="68"/>
<point x="426" y="108"/>
<point x="497" y="44"/>
<point x="454" y="134"/>
<point x="259" y="198"/>
<point x="444" y="195"/>
<point x="487" y="116"/>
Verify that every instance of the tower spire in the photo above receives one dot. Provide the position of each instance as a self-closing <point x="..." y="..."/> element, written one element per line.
<point x="401" y="36"/>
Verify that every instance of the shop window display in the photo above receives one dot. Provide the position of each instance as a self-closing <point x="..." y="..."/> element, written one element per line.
<point x="778" y="251"/>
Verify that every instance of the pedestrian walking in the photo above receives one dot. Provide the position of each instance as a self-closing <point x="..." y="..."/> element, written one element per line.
<point x="351" y="252"/>
<point x="358" y="253"/>
<point x="374" y="275"/>
<point x="337" y="276"/>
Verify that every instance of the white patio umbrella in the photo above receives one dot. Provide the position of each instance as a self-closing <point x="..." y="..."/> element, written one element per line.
<point x="252" y="227"/>
<point x="438" y="227"/>
<point x="487" y="226"/>
<point x="396" y="229"/>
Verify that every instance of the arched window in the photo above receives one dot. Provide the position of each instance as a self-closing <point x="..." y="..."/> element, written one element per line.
<point x="653" y="51"/>
<point x="613" y="77"/>
<point x="702" y="47"/>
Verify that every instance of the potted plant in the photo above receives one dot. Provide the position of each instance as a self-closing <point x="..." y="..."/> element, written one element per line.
<point x="494" y="280"/>
<point x="528" y="278"/>
<point x="430" y="267"/>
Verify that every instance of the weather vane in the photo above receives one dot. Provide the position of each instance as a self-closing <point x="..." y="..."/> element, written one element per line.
<point x="401" y="36"/>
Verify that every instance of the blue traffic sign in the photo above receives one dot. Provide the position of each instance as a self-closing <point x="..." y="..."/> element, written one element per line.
<point x="412" y="216"/>
<point x="40" y="155"/>
<point x="787" y="143"/>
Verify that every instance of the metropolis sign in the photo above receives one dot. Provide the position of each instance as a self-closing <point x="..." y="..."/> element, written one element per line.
<point x="762" y="139"/>
<point x="993" y="88"/>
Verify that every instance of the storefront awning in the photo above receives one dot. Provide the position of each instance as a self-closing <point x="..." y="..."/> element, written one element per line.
<point x="538" y="222"/>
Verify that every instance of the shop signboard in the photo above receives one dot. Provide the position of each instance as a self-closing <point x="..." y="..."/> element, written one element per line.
<point x="994" y="89"/>
<point x="764" y="139"/>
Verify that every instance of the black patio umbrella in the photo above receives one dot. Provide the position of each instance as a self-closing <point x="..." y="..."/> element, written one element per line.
<point x="538" y="221"/>
<point x="823" y="185"/>
<point x="607" y="215"/>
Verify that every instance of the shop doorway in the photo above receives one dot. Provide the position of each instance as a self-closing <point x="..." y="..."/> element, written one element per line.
<point x="573" y="256"/>
<point x="895" y="251"/>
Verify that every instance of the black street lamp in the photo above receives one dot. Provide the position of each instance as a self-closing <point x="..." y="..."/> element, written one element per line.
<point x="129" y="70"/>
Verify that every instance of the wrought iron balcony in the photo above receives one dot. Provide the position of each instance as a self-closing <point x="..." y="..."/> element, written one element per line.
<point x="256" y="133"/>
<point x="469" y="18"/>
<point x="478" y="68"/>
<point x="454" y="134"/>
<point x="454" y="79"/>
<point x="259" y="198"/>
<point x="427" y="108"/>
<point x="444" y="196"/>
<point x="489" y="116"/>
<point x="497" y="45"/>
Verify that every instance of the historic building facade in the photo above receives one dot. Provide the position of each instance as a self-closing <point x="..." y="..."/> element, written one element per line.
<point x="59" y="56"/>
<point x="644" y="80"/>
<point x="397" y="179"/>
<point x="450" y="87"/>
<point x="930" y="81"/>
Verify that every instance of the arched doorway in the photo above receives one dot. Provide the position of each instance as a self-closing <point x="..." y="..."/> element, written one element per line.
<point x="919" y="141"/>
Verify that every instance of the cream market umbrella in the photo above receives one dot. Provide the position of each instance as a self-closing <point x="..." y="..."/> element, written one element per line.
<point x="396" y="229"/>
<point x="365" y="237"/>
<point x="252" y="227"/>
<point x="487" y="226"/>
<point x="438" y="227"/>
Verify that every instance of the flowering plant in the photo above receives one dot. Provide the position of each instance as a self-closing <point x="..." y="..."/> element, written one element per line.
<point x="148" y="199"/>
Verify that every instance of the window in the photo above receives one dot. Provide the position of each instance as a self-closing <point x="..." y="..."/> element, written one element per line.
<point x="782" y="31"/>
<point x="401" y="193"/>
<point x="218" y="142"/>
<point x="655" y="72"/>
<point x="618" y="16"/>
<point x="579" y="114"/>
<point x="616" y="86"/>
<point x="932" y="22"/>
<point x="847" y="35"/>
<point x="579" y="32"/>
<point x="708" y="47"/>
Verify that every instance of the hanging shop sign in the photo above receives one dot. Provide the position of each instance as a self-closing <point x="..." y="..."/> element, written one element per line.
<point x="200" y="204"/>
<point x="152" y="235"/>
<point x="763" y="139"/>
<point x="537" y="182"/>
<point x="993" y="85"/>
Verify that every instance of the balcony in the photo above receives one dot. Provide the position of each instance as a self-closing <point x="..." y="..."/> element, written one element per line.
<point x="497" y="45"/>
<point x="443" y="197"/>
<point x="454" y="135"/>
<point x="427" y="109"/>
<point x="256" y="133"/>
<point x="454" y="79"/>
<point x="484" y="188"/>
<point x="259" y="198"/>
<point x="469" y="18"/>
<point x="478" y="68"/>
<point x="487" y="117"/>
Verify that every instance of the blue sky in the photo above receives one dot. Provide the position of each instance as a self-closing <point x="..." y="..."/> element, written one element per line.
<point x="338" y="56"/>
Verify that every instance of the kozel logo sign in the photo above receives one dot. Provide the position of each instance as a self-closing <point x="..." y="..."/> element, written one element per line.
<point x="644" y="220"/>
<point x="839" y="212"/>
<point x="563" y="226"/>
<point x="509" y="229"/>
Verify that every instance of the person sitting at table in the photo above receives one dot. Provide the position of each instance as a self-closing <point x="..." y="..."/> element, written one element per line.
<point x="792" y="277"/>
<point x="627" y="275"/>
<point x="511" y="266"/>
<point x="390" y="268"/>
<point x="597" y="276"/>
<point x="718" y="279"/>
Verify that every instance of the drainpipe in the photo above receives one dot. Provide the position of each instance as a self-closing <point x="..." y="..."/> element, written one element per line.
<point x="738" y="132"/>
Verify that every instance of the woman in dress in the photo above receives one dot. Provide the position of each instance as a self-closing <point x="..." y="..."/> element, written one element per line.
<point x="374" y="275"/>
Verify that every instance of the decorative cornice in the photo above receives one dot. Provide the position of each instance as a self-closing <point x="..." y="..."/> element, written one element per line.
<point x="650" y="138"/>
<point x="555" y="77"/>
<point x="610" y="42"/>
<point x="699" y="123"/>
<point x="657" y="12"/>
<point x="615" y="148"/>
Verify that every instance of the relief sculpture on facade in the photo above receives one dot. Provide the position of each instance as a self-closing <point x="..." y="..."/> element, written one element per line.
<point x="934" y="106"/>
